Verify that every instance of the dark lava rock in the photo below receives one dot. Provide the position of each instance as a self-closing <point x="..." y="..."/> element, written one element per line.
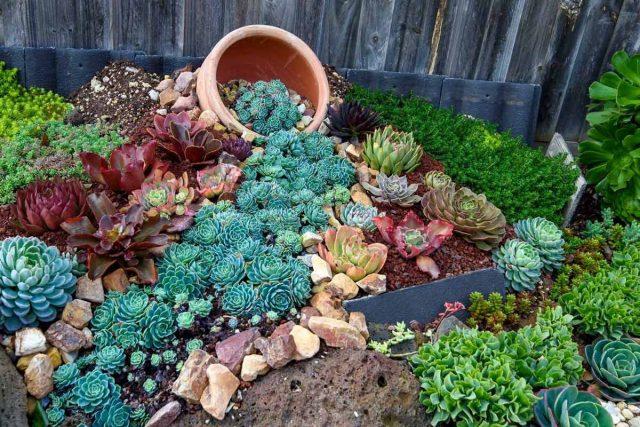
<point x="345" y="388"/>
<point x="13" y="394"/>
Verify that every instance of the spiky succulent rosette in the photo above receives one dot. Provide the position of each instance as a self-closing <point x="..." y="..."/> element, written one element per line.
<point x="44" y="205"/>
<point x="474" y="218"/>
<point x="35" y="282"/>
<point x="520" y="263"/>
<point x="546" y="237"/>
<point x="393" y="190"/>
<point x="391" y="152"/>
<point x="352" y="120"/>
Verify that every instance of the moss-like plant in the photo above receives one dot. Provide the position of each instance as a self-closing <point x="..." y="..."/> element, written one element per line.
<point x="496" y="311"/>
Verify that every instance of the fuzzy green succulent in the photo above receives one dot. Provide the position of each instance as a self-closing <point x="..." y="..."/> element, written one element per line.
<point x="615" y="365"/>
<point x="137" y="359"/>
<point x="110" y="359"/>
<point x="158" y="325"/>
<point x="391" y="152"/>
<point x="567" y="406"/>
<point x="66" y="375"/>
<point x="358" y="215"/>
<point x="35" y="282"/>
<point x="240" y="300"/>
<point x="114" y="414"/>
<point x="393" y="190"/>
<point x="520" y="263"/>
<point x="267" y="106"/>
<point x="94" y="390"/>
<point x="545" y="237"/>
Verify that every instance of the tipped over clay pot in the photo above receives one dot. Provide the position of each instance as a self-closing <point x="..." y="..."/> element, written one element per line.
<point x="262" y="52"/>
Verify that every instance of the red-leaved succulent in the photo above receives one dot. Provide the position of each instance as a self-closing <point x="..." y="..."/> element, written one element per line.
<point x="184" y="139"/>
<point x="412" y="238"/>
<point x="126" y="240"/>
<point x="219" y="180"/>
<point x="127" y="168"/>
<point x="44" y="205"/>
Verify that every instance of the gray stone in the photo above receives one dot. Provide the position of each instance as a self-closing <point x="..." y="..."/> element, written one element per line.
<point x="65" y="337"/>
<point x="13" y="394"/>
<point x="165" y="416"/>
<point x="449" y="324"/>
<point x="90" y="290"/>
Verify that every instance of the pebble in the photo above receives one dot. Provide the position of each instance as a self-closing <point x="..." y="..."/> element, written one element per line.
<point x="623" y="424"/>
<point x="627" y="413"/>
<point x="613" y="410"/>
<point x="634" y="409"/>
<point x="634" y="422"/>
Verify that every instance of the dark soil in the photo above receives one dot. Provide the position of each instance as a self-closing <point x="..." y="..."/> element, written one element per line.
<point x="118" y="94"/>
<point x="338" y="85"/>
<point x="456" y="256"/>
<point x="589" y="208"/>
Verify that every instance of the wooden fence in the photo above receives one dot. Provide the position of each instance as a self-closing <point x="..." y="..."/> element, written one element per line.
<point x="561" y="44"/>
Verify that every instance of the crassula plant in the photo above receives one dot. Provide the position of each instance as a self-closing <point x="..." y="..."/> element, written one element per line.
<point x="44" y="205"/>
<point x="218" y="181"/>
<point x="184" y="139"/>
<point x="127" y="167"/>
<point x="413" y="238"/>
<point x="346" y="252"/>
<point x="124" y="239"/>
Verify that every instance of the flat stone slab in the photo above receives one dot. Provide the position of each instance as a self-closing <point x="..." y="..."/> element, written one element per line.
<point x="13" y="394"/>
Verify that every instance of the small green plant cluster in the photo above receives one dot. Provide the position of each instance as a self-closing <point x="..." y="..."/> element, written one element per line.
<point x="266" y="105"/>
<point x="470" y="377"/>
<point x="497" y="312"/>
<point x="399" y="334"/>
<point x="45" y="150"/>
<point x="519" y="180"/>
<point x="21" y="106"/>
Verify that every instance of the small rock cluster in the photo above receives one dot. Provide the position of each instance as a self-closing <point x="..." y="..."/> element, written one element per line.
<point x="341" y="287"/>
<point x="623" y="414"/>
<point x="213" y="381"/>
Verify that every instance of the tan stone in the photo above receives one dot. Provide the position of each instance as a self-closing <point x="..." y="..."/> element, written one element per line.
<point x="307" y="343"/>
<point x="328" y="306"/>
<point x="358" y="321"/>
<point x="65" y="337"/>
<point x="362" y="172"/>
<point x="184" y="103"/>
<point x="321" y="270"/>
<point x="361" y="197"/>
<point x="278" y="351"/>
<point x="354" y="153"/>
<point x="168" y="97"/>
<point x="29" y="341"/>
<point x="90" y="290"/>
<point x="253" y="365"/>
<point x="209" y="118"/>
<point x="77" y="313"/>
<point x="39" y="376"/>
<point x="306" y="313"/>
<point x="193" y="377"/>
<point x="222" y="386"/>
<point x="165" y="84"/>
<point x="333" y="221"/>
<point x="88" y="335"/>
<point x="337" y="333"/>
<point x="342" y="287"/>
<point x="373" y="284"/>
<point x="194" y="113"/>
<point x="55" y="356"/>
<point x="310" y="239"/>
<point x="116" y="281"/>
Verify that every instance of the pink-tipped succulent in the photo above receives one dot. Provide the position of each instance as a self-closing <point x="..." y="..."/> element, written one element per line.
<point x="127" y="168"/>
<point x="450" y="308"/>
<point x="44" y="205"/>
<point x="126" y="240"/>
<point x="184" y="139"/>
<point x="346" y="252"/>
<point x="219" y="181"/>
<point x="412" y="238"/>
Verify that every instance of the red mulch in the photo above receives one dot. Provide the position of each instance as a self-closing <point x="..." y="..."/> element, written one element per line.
<point x="456" y="256"/>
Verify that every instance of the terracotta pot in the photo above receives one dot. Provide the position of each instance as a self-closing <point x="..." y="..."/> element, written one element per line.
<point x="262" y="52"/>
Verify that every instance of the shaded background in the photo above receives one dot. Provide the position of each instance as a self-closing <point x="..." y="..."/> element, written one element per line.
<point x="562" y="45"/>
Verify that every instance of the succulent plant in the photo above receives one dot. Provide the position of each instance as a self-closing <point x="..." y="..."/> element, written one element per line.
<point x="346" y="252"/>
<point x="228" y="271"/>
<point x="137" y="358"/>
<point x="218" y="181"/>
<point x="266" y="105"/>
<point x="545" y="237"/>
<point x="267" y="269"/>
<point x="194" y="344"/>
<point x="104" y="315"/>
<point x="55" y="416"/>
<point x="149" y="386"/>
<point x="391" y="152"/>
<point x="131" y="305"/>
<point x="275" y="297"/>
<point x="473" y="217"/>
<point x="359" y="215"/>
<point x="436" y="179"/>
<point x="412" y="238"/>
<point x="200" y="307"/>
<point x="110" y="359"/>
<point x="289" y="242"/>
<point x="44" y="205"/>
<point x="240" y="300"/>
<point x="127" y="168"/>
<point x="139" y="416"/>
<point x="35" y="282"/>
<point x="158" y="325"/>
<point x="237" y="146"/>
<point x="352" y="120"/>
<point x="168" y="197"/>
<point x="567" y="406"/>
<point x="65" y="375"/>
<point x="520" y="263"/>
<point x="169" y="356"/>
<point x="94" y="390"/>
<point x="615" y="365"/>
<point x="184" y="139"/>
<point x="114" y="414"/>
<point x="185" y="320"/>
<point x="155" y="360"/>
<point x="393" y="190"/>
<point x="123" y="239"/>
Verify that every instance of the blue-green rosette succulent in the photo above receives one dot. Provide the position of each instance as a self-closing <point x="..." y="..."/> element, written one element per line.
<point x="132" y="305"/>
<point x="615" y="365"/>
<point x="158" y="325"/>
<point x="94" y="390"/>
<point x="114" y="414"/>
<point x="104" y="315"/>
<point x="35" y="282"/>
<point x="127" y="335"/>
<point x="66" y="375"/>
<point x="55" y="416"/>
<point x="137" y="358"/>
<point x="267" y="269"/>
<point x="300" y="287"/>
<point x="545" y="237"/>
<point x="358" y="215"/>
<point x="520" y="263"/>
<point x="110" y="359"/>
<point x="200" y="307"/>
<point x="228" y="271"/>
<point x="206" y="232"/>
<point x="267" y="106"/>
<point x="567" y="406"/>
<point x="276" y="297"/>
<point x="240" y="300"/>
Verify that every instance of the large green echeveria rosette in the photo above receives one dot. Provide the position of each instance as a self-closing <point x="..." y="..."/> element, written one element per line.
<point x="93" y="390"/>
<point x="615" y="365"/>
<point x="567" y="406"/>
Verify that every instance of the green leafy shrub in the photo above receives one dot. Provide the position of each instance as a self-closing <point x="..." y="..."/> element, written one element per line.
<point x="519" y="180"/>
<point x="496" y="311"/>
<point x="567" y="406"/>
<point x="45" y="150"/>
<point x="615" y="365"/>
<point x="21" y="106"/>
<point x="470" y="377"/>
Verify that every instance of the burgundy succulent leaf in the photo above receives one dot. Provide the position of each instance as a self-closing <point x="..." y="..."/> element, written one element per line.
<point x="44" y="205"/>
<point x="351" y="120"/>
<point x="218" y="181"/>
<point x="236" y="146"/>
<point x="126" y="239"/>
<point x="185" y="139"/>
<point x="127" y="168"/>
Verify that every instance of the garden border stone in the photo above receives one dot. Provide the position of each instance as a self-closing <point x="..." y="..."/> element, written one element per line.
<point x="36" y="74"/>
<point x="424" y="302"/>
<point x="424" y="85"/>
<point x="13" y="57"/>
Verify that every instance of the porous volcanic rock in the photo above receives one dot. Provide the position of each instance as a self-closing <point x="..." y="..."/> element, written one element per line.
<point x="346" y="388"/>
<point x="13" y="394"/>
